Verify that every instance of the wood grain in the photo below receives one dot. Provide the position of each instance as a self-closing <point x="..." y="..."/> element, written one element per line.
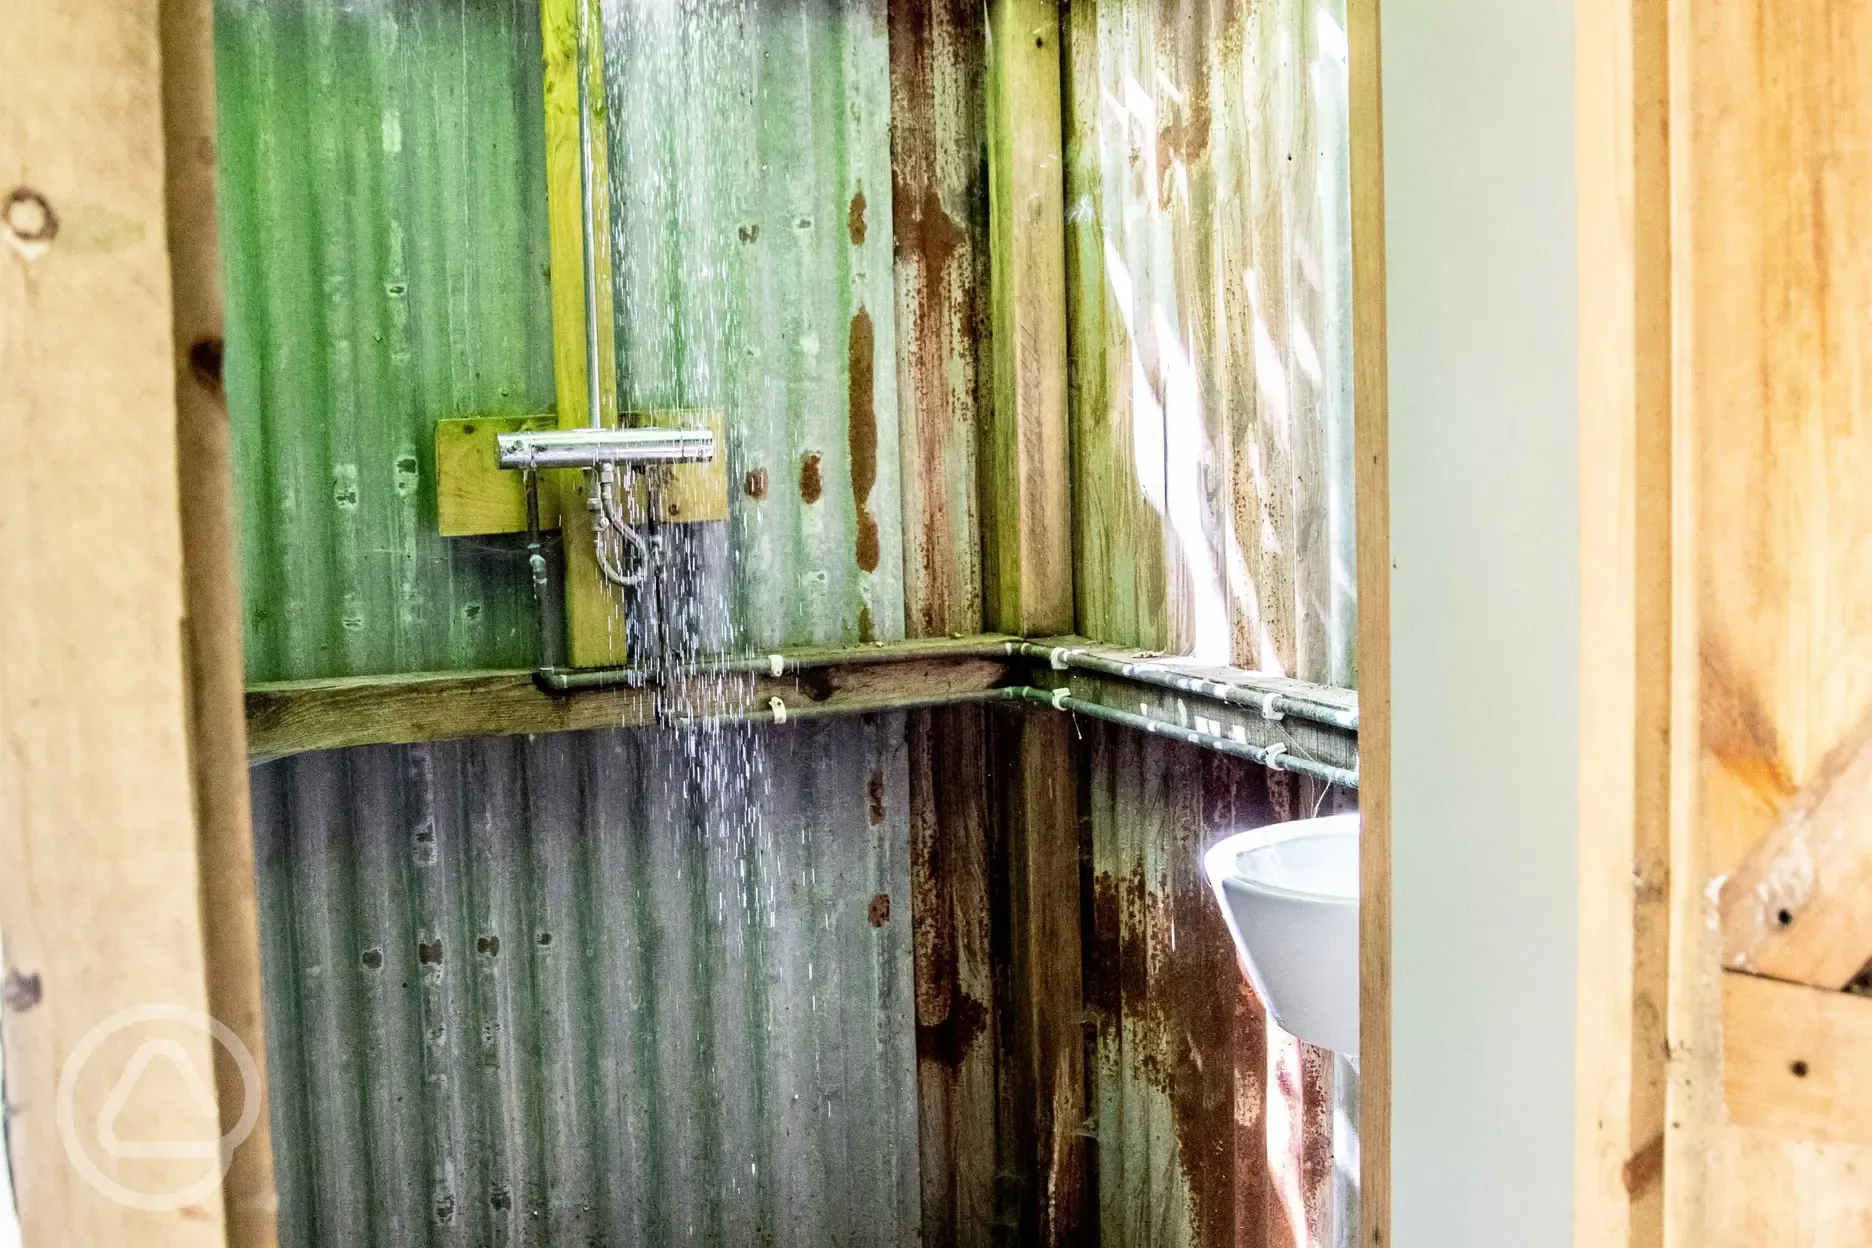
<point x="594" y="615"/>
<point x="1797" y="1061"/>
<point x="295" y="716"/>
<point x="99" y="876"/>
<point x="1627" y="472"/>
<point x="1772" y="122"/>
<point x="939" y="211"/>
<point x="1371" y="443"/>
<point x="473" y="494"/>
<point x="212" y="607"/>
<point x="1026" y="498"/>
<point x="1799" y="907"/>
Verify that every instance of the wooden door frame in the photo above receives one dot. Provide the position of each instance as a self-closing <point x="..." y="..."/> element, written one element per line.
<point x="1372" y="521"/>
<point x="126" y="772"/>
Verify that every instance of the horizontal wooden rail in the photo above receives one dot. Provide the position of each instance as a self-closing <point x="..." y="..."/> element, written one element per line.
<point x="1797" y="1061"/>
<point x="1238" y="707"/>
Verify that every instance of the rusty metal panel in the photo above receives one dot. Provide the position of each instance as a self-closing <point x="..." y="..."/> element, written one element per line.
<point x="544" y="991"/>
<point x="751" y="222"/>
<point x="384" y="230"/>
<point x="1209" y="244"/>
<point x="1211" y="1126"/>
<point x="939" y="151"/>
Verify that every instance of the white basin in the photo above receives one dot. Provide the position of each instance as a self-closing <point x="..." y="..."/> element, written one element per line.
<point x="1290" y="895"/>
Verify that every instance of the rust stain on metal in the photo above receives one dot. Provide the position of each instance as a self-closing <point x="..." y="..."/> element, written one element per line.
<point x="862" y="429"/>
<point x="811" y="482"/>
<point x="875" y="797"/>
<point x="755" y="484"/>
<point x="925" y="231"/>
<point x="1206" y="1054"/>
<point x="855" y="218"/>
<point x="867" y="631"/>
<point x="879" y="912"/>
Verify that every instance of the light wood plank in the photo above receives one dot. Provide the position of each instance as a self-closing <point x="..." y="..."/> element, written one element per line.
<point x="1626" y="638"/>
<point x="1797" y="1061"/>
<point x="1372" y="487"/>
<point x="99" y="880"/>
<point x="1799" y="907"/>
<point x="473" y="495"/>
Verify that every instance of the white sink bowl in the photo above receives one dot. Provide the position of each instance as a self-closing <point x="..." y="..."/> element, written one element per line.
<point x="1290" y="895"/>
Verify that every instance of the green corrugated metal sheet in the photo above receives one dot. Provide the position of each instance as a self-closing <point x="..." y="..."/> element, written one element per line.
<point x="384" y="244"/>
<point x="751" y="210"/>
<point x="546" y="991"/>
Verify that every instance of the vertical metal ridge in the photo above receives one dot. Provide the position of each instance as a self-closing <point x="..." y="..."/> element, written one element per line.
<point x="526" y="994"/>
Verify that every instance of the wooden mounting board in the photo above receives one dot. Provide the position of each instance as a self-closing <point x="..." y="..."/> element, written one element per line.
<point x="475" y="496"/>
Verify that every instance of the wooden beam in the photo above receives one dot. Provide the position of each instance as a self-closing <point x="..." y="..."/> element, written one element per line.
<point x="1799" y="907"/>
<point x="100" y="884"/>
<point x="1027" y="589"/>
<point x="296" y="716"/>
<point x="212" y="624"/>
<point x="1797" y="1061"/>
<point x="1026" y="498"/>
<point x="1627" y="643"/>
<point x="594" y="617"/>
<point x="1371" y="449"/>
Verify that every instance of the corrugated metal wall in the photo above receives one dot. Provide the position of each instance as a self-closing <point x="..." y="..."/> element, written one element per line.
<point x="1210" y="290"/>
<point x="1211" y="295"/>
<point x="384" y="252"/>
<point x="538" y="991"/>
<point x="384" y="228"/>
<point x="751" y="209"/>
<point x="385" y="241"/>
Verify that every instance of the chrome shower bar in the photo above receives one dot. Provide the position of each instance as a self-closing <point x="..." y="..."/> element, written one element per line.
<point x="599" y="448"/>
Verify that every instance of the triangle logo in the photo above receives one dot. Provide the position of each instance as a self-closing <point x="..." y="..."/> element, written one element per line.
<point x="151" y="1050"/>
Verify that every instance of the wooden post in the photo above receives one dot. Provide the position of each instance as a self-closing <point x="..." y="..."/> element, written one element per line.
<point x="594" y="614"/>
<point x="1027" y="589"/>
<point x="1372" y="487"/>
<point x="1026" y="499"/>
<point x="100" y="891"/>
<point x="211" y="601"/>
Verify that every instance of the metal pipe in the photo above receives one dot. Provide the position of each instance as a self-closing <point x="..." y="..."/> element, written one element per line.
<point x="1272" y="704"/>
<point x="588" y="206"/>
<point x="785" y="714"/>
<point x="780" y="663"/>
<point x="574" y="680"/>
<point x="589" y="448"/>
<point x="551" y="639"/>
<point x="1274" y="757"/>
